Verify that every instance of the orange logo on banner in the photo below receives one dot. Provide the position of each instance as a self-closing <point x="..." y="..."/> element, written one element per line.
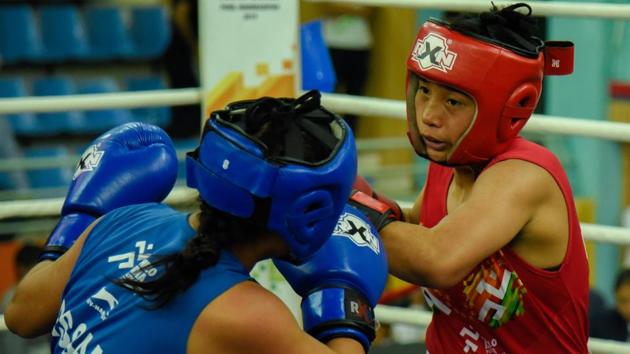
<point x="232" y="88"/>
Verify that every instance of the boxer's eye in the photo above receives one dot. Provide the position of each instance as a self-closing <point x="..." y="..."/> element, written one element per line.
<point x="453" y="102"/>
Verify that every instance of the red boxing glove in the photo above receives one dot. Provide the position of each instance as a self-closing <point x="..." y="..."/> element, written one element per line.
<point x="360" y="184"/>
<point x="380" y="214"/>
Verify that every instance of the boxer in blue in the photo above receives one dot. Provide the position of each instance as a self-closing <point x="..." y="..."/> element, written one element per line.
<point x="273" y="176"/>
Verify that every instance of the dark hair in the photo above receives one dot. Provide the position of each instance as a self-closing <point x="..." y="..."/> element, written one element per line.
<point x="622" y="278"/>
<point x="505" y="26"/>
<point x="269" y="121"/>
<point x="27" y="256"/>
<point x="217" y="230"/>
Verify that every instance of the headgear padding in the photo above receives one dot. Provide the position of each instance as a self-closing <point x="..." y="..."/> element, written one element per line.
<point x="297" y="197"/>
<point x="504" y="82"/>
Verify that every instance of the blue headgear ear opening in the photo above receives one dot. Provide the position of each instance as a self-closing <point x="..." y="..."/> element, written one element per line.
<point x="303" y="220"/>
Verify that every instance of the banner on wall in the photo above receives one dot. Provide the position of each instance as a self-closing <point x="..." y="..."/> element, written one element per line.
<point x="248" y="49"/>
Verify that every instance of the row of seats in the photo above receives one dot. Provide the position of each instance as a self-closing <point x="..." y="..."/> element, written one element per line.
<point x="60" y="177"/>
<point x="60" y="33"/>
<point x="80" y="122"/>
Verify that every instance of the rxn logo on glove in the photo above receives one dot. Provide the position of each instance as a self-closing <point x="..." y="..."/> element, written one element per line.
<point x="89" y="160"/>
<point x="357" y="230"/>
<point x="432" y="52"/>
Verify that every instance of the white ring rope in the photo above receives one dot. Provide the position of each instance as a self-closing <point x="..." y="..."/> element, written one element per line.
<point x="370" y="106"/>
<point x="594" y="232"/>
<point x="393" y="314"/>
<point x="36" y="163"/>
<point x="603" y="233"/>
<point x="155" y="98"/>
<point x="183" y="195"/>
<point x="367" y="106"/>
<point x="52" y="206"/>
<point x="615" y="131"/>
<point x="541" y="8"/>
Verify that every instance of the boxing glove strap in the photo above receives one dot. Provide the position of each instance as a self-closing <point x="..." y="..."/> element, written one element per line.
<point x="379" y="213"/>
<point x="68" y="229"/>
<point x="339" y="312"/>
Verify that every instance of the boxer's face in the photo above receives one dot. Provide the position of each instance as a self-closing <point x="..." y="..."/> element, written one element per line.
<point x="442" y="117"/>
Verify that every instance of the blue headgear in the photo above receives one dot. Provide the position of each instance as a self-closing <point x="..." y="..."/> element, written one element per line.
<point x="300" y="200"/>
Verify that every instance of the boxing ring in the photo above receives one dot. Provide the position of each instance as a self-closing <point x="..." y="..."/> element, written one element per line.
<point x="342" y="104"/>
<point x="346" y="104"/>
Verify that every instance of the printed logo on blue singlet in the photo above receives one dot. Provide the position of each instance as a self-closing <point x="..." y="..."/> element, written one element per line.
<point x="136" y="261"/>
<point x="357" y="230"/>
<point x="71" y="336"/>
<point x="103" y="302"/>
<point x="431" y="52"/>
<point x="130" y="259"/>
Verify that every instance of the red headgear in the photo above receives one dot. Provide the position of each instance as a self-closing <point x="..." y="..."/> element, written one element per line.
<point x="504" y="81"/>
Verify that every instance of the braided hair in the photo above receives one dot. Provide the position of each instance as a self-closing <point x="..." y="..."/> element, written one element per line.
<point x="273" y="122"/>
<point x="217" y="230"/>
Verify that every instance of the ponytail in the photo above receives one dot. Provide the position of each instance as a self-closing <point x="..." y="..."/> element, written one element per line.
<point x="217" y="230"/>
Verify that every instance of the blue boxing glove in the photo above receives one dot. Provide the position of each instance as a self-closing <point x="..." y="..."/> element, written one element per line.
<point x="341" y="283"/>
<point x="130" y="164"/>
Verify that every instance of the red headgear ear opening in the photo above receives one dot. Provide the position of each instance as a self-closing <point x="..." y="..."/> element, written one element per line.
<point x="518" y="108"/>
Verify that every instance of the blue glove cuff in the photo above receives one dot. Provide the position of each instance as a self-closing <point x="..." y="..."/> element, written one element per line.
<point x="339" y="312"/>
<point x="345" y="332"/>
<point x="68" y="229"/>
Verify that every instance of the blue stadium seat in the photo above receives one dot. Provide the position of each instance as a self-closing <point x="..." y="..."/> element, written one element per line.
<point x="150" y="31"/>
<point x="49" y="177"/>
<point x="56" y="122"/>
<point x="109" y="37"/>
<point x="318" y="72"/>
<point x="160" y="116"/>
<point x="19" y="37"/>
<point x="98" y="121"/>
<point x="23" y="124"/>
<point x="63" y="33"/>
<point x="9" y="148"/>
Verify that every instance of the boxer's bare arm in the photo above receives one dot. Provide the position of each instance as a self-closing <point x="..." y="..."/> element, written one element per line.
<point x="492" y="216"/>
<point x="37" y="299"/>
<point x="218" y="330"/>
